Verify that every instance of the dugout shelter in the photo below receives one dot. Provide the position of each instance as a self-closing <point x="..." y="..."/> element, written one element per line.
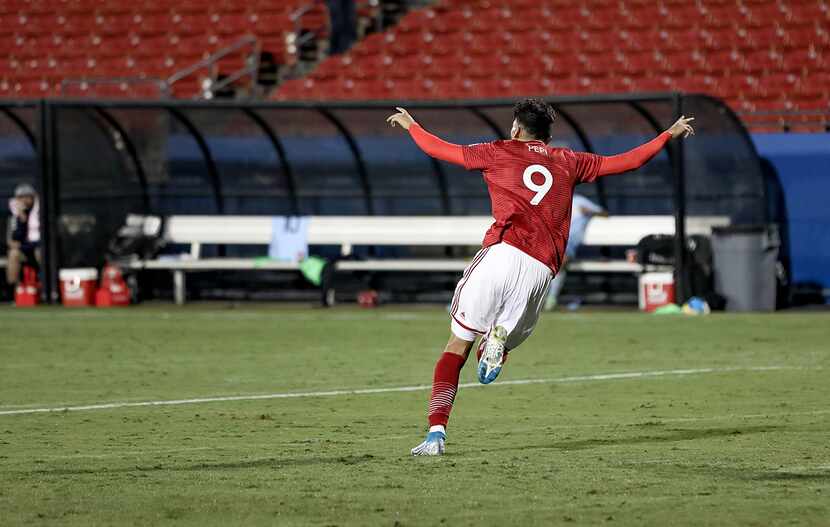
<point x="95" y="161"/>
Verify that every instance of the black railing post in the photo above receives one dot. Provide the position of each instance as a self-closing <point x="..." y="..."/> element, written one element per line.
<point x="132" y="152"/>
<point x="679" y="177"/>
<point x="210" y="163"/>
<point x="22" y="125"/>
<point x="49" y="195"/>
<point x="360" y="164"/>
<point x="272" y="136"/>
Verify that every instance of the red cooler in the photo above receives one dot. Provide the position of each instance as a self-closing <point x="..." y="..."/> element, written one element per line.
<point x="78" y="286"/>
<point x="113" y="290"/>
<point x="656" y="289"/>
<point x="27" y="293"/>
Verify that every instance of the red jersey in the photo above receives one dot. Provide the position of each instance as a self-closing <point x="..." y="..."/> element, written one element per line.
<point x="531" y="189"/>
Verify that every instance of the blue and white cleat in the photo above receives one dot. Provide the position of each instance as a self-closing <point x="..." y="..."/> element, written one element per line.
<point x="492" y="356"/>
<point x="433" y="445"/>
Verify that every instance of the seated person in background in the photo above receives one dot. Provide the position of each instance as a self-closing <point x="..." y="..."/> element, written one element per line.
<point x="23" y="238"/>
<point x="582" y="211"/>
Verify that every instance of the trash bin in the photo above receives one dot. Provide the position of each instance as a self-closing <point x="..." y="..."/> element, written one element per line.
<point x="745" y="260"/>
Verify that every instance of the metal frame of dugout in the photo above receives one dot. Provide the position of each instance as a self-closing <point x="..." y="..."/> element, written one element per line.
<point x="39" y="123"/>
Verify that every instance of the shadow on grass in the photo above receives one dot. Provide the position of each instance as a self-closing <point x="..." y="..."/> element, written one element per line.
<point x="752" y="474"/>
<point x="272" y="463"/>
<point x="793" y="476"/>
<point x="669" y="436"/>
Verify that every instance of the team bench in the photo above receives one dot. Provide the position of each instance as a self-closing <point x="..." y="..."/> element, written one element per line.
<point x="348" y="232"/>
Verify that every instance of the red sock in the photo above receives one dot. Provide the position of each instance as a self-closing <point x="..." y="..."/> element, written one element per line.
<point x="444" y="386"/>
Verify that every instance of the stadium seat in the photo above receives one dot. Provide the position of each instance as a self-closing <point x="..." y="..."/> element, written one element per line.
<point x="85" y="37"/>
<point x="561" y="45"/>
<point x="810" y="58"/>
<point x="602" y="64"/>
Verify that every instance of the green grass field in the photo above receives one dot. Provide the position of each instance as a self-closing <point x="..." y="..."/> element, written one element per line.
<point x="744" y="442"/>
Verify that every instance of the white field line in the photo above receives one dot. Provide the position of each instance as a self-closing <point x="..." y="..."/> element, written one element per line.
<point x="395" y="389"/>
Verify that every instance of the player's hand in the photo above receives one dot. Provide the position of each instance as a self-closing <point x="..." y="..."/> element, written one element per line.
<point x="682" y="128"/>
<point x="401" y="118"/>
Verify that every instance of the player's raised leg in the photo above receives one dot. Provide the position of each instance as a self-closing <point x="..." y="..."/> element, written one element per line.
<point x="444" y="389"/>
<point x="492" y="354"/>
<point x="523" y="295"/>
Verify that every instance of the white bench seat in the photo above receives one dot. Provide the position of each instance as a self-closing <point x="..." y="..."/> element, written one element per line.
<point x="214" y="264"/>
<point x="346" y="232"/>
<point x="389" y="265"/>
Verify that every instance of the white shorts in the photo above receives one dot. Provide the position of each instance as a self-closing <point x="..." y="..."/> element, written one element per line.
<point x="502" y="286"/>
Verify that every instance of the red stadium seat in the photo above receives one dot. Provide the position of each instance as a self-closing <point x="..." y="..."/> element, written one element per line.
<point x="451" y="43"/>
<point x="805" y="35"/>
<point x="115" y="24"/>
<point x="521" y="66"/>
<point x="682" y="61"/>
<point x="761" y="13"/>
<point x="442" y="66"/>
<point x="483" y="66"/>
<point x="653" y="84"/>
<point x="447" y="88"/>
<point x="641" y="63"/>
<point x="528" y="87"/>
<point x="745" y="50"/>
<point x="111" y="67"/>
<point x="25" y="87"/>
<point x="809" y="12"/>
<point x="696" y="84"/>
<point x="724" y="61"/>
<point x="189" y="24"/>
<point x="603" y="64"/>
<point x="810" y="58"/>
<point x="777" y="85"/>
<point x="608" y="85"/>
<point x="574" y="86"/>
<point x="152" y="23"/>
<point x="566" y="65"/>
<point x="721" y="15"/>
<point x="157" y="66"/>
<point x="736" y="85"/>
<point x="372" y="67"/>
<point x="812" y="100"/>
<point x="763" y="61"/>
<point x="151" y="38"/>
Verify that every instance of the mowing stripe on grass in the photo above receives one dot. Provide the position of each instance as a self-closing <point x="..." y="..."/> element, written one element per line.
<point x="394" y="389"/>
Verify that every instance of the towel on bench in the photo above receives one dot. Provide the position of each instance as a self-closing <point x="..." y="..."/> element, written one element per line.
<point x="289" y="238"/>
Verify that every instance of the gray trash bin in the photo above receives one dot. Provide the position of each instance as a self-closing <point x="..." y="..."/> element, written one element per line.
<point x="745" y="259"/>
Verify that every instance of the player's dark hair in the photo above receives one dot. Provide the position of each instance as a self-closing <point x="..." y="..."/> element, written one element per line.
<point x="536" y="117"/>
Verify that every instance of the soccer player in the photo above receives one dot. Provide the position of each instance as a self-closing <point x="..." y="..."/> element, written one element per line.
<point x="501" y="292"/>
<point x="582" y="210"/>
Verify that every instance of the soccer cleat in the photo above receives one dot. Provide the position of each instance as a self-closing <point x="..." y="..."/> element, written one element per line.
<point x="492" y="355"/>
<point x="433" y="445"/>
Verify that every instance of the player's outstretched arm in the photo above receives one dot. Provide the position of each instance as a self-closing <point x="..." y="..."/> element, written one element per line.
<point x="431" y="145"/>
<point x="639" y="156"/>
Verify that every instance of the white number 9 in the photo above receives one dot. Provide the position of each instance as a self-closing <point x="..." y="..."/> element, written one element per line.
<point x="540" y="190"/>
